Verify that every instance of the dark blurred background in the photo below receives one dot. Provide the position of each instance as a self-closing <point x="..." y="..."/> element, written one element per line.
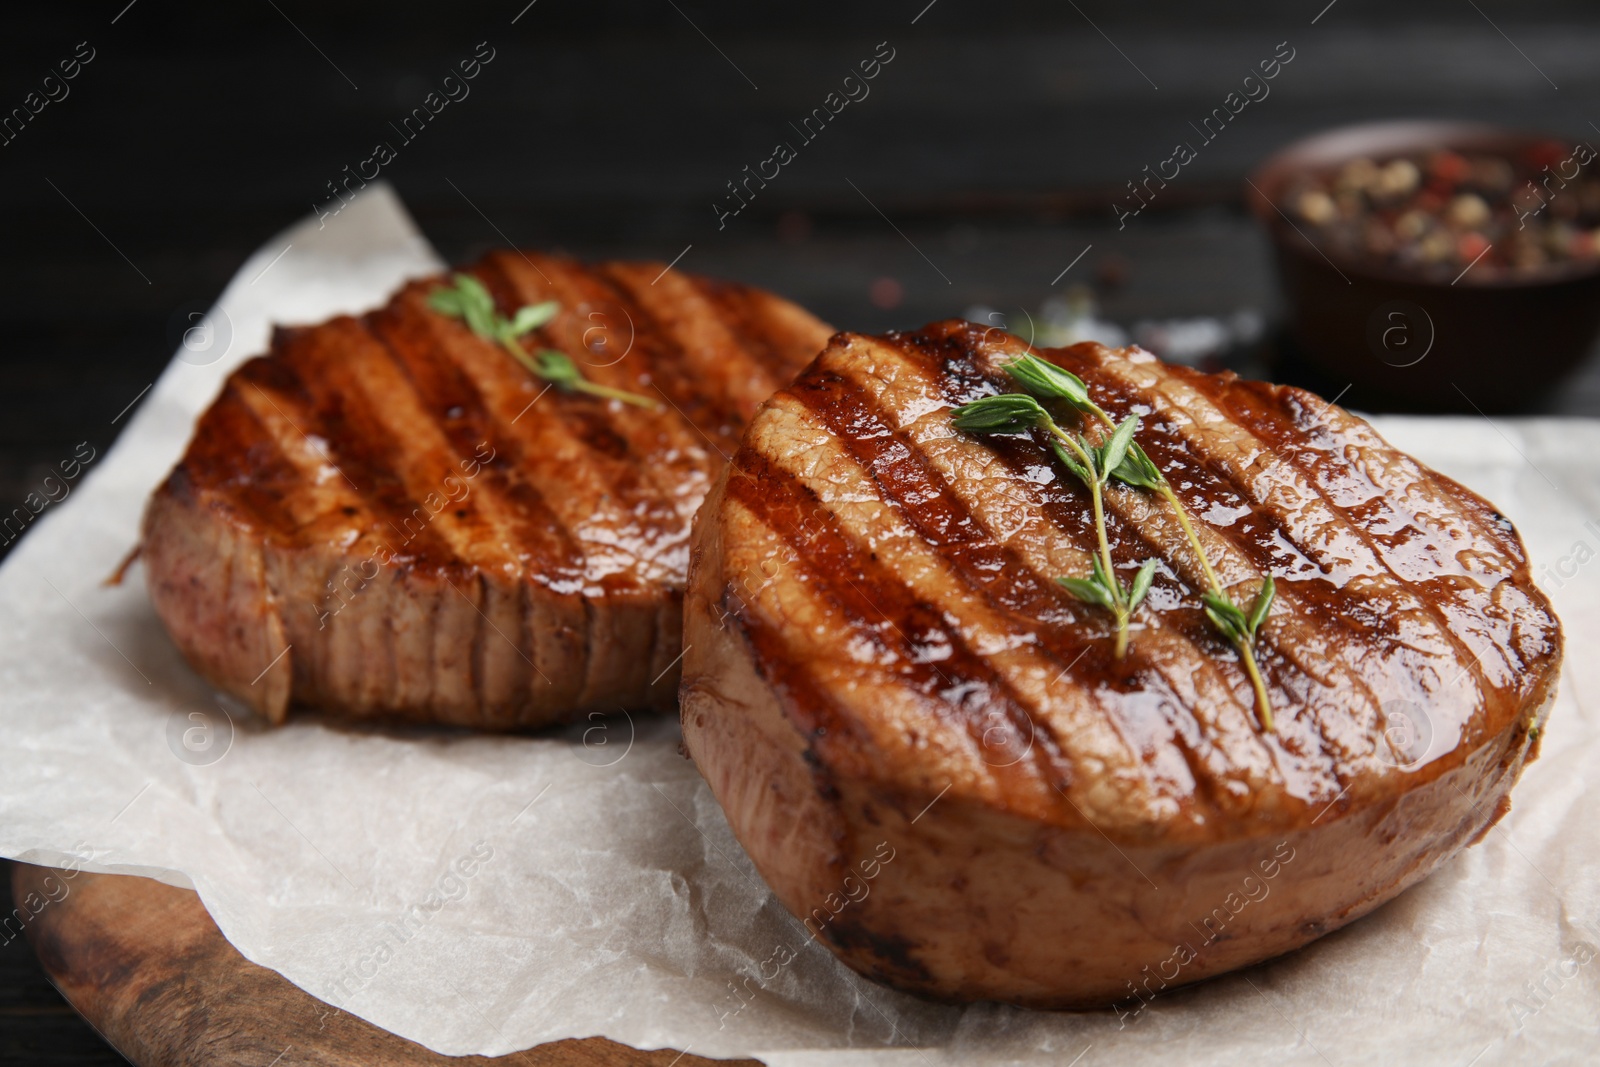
<point x="984" y="161"/>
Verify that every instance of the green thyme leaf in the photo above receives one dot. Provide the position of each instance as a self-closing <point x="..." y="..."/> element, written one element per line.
<point x="1100" y="574"/>
<point x="1005" y="413"/>
<point x="532" y="316"/>
<point x="1258" y="611"/>
<point x="1137" y="470"/>
<point x="477" y="306"/>
<point x="1069" y="461"/>
<point x="1093" y="453"/>
<point x="446" y="302"/>
<point x="1223" y="624"/>
<point x="1115" y="449"/>
<point x="1225" y="616"/>
<point x="467" y="299"/>
<point x="1141" y="584"/>
<point x="1048" y="380"/>
<point x="556" y="367"/>
<point x="1089" y="591"/>
<point x="1120" y="457"/>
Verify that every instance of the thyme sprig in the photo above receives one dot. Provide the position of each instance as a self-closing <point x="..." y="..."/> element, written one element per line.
<point x="1134" y="468"/>
<point x="1092" y="465"/>
<point x="467" y="299"/>
<point x="1241" y="629"/>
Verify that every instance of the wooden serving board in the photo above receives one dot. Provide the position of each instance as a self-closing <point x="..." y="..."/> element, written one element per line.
<point x="146" y="966"/>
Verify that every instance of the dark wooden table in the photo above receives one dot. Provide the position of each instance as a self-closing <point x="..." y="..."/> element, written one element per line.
<point x="985" y="159"/>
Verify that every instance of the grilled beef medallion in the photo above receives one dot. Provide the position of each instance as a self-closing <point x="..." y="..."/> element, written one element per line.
<point x="931" y="748"/>
<point x="471" y="506"/>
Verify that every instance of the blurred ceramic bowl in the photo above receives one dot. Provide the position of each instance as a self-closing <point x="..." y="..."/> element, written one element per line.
<point x="1487" y="340"/>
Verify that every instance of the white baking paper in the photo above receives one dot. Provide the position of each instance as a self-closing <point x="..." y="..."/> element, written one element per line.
<point x="487" y="894"/>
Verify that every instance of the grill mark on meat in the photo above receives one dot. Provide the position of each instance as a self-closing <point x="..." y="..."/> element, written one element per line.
<point x="1187" y="470"/>
<point x="356" y="440"/>
<point x="816" y="711"/>
<point x="823" y="715"/>
<point x="1281" y="416"/>
<point x="477" y="529"/>
<point x="923" y="497"/>
<point x="317" y="495"/>
<point x="1373" y="470"/>
<point x="1024" y="599"/>
<point x="515" y="280"/>
<point x="628" y="471"/>
<point x="717" y="336"/>
<point x="776" y="496"/>
<point x="1267" y="426"/>
<point x="1348" y="617"/>
<point x="567" y="452"/>
<point x="1023" y="591"/>
<point x="1266" y="419"/>
<point x="735" y="306"/>
<point x="569" y="546"/>
<point x="546" y="545"/>
<point x="650" y="453"/>
<point x="676" y="368"/>
<point x="1356" y="603"/>
<point x="229" y="434"/>
<point x="1335" y="652"/>
<point x="575" y="285"/>
<point x="1131" y="770"/>
<point x="1458" y="611"/>
<point x="1119" y="740"/>
<point x="926" y="504"/>
<point x="1066" y="504"/>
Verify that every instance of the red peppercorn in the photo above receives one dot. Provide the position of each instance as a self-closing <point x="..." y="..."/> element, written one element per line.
<point x="1471" y="246"/>
<point x="1449" y="168"/>
<point x="1430" y="202"/>
<point x="1547" y="154"/>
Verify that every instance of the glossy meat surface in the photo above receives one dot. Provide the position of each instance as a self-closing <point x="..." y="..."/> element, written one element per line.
<point x="435" y="535"/>
<point x="875" y="631"/>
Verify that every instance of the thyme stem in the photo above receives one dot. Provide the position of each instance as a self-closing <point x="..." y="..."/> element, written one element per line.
<point x="1121" y="647"/>
<point x="1247" y="656"/>
<point x="467" y="299"/>
<point x="574" y="383"/>
<point x="1188" y="529"/>
<point x="593" y="389"/>
<point x="1045" y="379"/>
<point x="1243" y="644"/>
<point x="1119" y="609"/>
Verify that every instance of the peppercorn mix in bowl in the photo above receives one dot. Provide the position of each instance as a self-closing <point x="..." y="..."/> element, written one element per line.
<point x="1421" y="260"/>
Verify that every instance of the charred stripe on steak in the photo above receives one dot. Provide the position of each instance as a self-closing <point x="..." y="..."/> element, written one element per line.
<point x="430" y="534"/>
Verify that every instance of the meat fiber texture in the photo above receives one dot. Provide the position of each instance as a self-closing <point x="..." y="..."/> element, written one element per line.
<point x="874" y="627"/>
<point x="385" y="518"/>
<point x="485" y="894"/>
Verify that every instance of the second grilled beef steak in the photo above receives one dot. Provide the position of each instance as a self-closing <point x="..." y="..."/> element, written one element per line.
<point x="387" y="516"/>
<point x="933" y="754"/>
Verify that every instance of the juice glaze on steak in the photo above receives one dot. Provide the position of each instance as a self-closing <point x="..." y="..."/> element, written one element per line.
<point x="387" y="516"/>
<point x="878" y="650"/>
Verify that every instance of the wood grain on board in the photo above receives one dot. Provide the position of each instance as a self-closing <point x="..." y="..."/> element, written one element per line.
<point x="146" y="966"/>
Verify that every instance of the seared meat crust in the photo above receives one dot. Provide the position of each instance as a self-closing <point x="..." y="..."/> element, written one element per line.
<point x="388" y="517"/>
<point x="878" y="653"/>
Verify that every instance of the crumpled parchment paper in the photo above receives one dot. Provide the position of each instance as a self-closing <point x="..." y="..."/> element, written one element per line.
<point x="486" y="894"/>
